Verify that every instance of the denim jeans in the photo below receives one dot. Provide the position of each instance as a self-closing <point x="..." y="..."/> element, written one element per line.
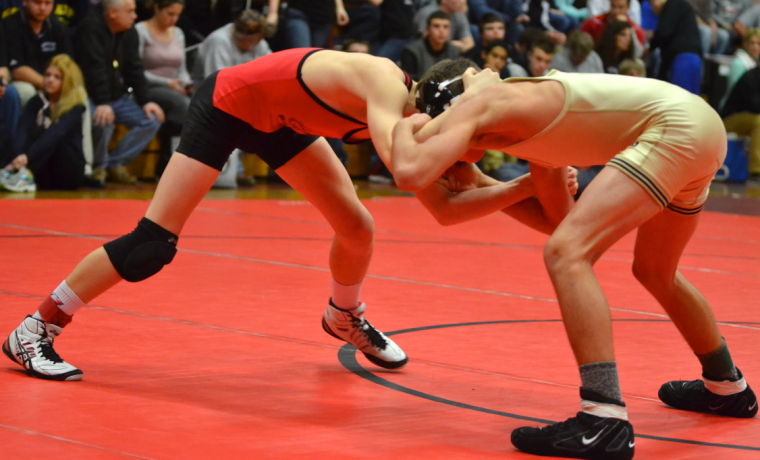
<point x="300" y="32"/>
<point x="142" y="130"/>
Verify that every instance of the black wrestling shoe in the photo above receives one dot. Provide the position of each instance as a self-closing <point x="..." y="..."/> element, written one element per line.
<point x="583" y="436"/>
<point x="692" y="395"/>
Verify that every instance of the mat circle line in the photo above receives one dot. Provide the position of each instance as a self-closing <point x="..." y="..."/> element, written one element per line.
<point x="347" y="357"/>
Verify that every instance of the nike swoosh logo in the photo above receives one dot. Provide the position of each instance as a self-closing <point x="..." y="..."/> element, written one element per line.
<point x="631" y="444"/>
<point x="716" y="407"/>
<point x="752" y="407"/>
<point x="586" y="441"/>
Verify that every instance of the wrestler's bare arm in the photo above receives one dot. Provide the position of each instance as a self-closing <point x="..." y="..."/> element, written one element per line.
<point x="451" y="206"/>
<point x="386" y="99"/>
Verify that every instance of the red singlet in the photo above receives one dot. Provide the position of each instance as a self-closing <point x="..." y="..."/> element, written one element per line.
<point x="268" y="94"/>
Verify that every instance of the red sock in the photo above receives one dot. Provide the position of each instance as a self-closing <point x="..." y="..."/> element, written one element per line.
<point x="50" y="313"/>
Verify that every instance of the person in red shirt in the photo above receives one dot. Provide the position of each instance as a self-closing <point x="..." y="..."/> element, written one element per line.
<point x="618" y="12"/>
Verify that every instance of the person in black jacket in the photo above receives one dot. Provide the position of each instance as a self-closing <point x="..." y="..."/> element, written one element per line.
<point x="677" y="38"/>
<point x="33" y="37"/>
<point x="106" y="45"/>
<point x="49" y="140"/>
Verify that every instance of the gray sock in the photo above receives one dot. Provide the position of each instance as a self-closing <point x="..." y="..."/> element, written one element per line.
<point x="718" y="365"/>
<point x="602" y="378"/>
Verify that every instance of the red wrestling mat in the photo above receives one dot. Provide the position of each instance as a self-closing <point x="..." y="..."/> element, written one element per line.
<point x="222" y="354"/>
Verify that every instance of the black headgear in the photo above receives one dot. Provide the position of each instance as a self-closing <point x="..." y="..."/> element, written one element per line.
<point x="436" y="97"/>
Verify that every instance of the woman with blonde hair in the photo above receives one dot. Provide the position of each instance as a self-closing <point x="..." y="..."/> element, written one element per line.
<point x="47" y="153"/>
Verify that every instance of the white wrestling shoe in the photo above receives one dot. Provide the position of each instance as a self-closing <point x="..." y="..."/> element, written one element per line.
<point x="352" y="327"/>
<point x="31" y="345"/>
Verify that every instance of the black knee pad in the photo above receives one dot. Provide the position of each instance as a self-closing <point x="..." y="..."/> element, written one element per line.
<point x="142" y="253"/>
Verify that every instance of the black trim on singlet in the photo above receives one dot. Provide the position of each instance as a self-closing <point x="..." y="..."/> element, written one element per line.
<point x="408" y="82"/>
<point x="641" y="178"/>
<point x="347" y="136"/>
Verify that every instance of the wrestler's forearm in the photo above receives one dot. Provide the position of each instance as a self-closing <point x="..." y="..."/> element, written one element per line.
<point x="450" y="208"/>
<point x="530" y="213"/>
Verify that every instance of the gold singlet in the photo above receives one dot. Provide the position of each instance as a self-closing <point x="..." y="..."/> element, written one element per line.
<point x="668" y="140"/>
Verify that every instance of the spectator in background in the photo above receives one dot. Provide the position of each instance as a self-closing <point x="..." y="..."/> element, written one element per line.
<point x="616" y="45"/>
<point x="633" y="68"/>
<point x="460" y="34"/>
<point x="745" y="59"/>
<point x="597" y="7"/>
<point x="544" y="15"/>
<point x="49" y="141"/>
<point x="578" y="55"/>
<point x="618" y="11"/>
<point x="240" y="41"/>
<point x="677" y="38"/>
<point x="364" y="20"/>
<point x="107" y="52"/>
<point x="741" y="115"/>
<point x="495" y="56"/>
<point x="33" y="37"/>
<point x="568" y="8"/>
<point x="72" y="12"/>
<point x="715" y="39"/>
<point x="10" y="102"/>
<point x="355" y="45"/>
<point x="510" y="11"/>
<point x="396" y="28"/>
<point x="540" y="56"/>
<point x="162" y="49"/>
<point x="490" y="28"/>
<point x="421" y="54"/>
<point x="309" y="23"/>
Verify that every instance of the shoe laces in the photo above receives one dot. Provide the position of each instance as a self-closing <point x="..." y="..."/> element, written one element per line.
<point x="372" y="334"/>
<point x="46" y="347"/>
<point x="567" y="425"/>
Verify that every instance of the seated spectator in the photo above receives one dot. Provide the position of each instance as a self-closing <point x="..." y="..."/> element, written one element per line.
<point x="616" y="45"/>
<point x="598" y="7"/>
<point x="495" y="56"/>
<point x="364" y="21"/>
<point x="633" y="68"/>
<point x="396" y="28"/>
<point x="525" y="41"/>
<point x="308" y="23"/>
<point x="540" y="56"/>
<point x="568" y="8"/>
<point x="49" y="141"/>
<point x="240" y="41"/>
<point x="677" y="38"/>
<point x="618" y="11"/>
<point x="460" y="34"/>
<point x="355" y="45"/>
<point x="162" y="49"/>
<point x="421" y="54"/>
<point x="578" y="55"/>
<point x="490" y="28"/>
<point x="741" y="115"/>
<point x="745" y="59"/>
<point x="714" y="38"/>
<point x="10" y="102"/>
<point x="72" y="12"/>
<point x="116" y="85"/>
<point x="545" y="15"/>
<point x="509" y="11"/>
<point x="33" y="37"/>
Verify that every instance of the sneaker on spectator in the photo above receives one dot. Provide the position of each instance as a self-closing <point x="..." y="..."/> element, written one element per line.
<point x="31" y="345"/>
<point x="19" y="181"/>
<point x="120" y="175"/>
<point x="352" y="327"/>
